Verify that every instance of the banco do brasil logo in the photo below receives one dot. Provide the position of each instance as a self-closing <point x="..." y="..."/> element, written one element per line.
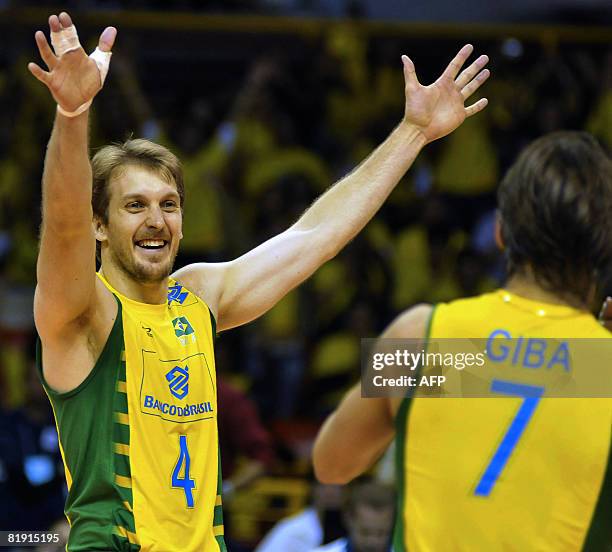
<point x="178" y="381"/>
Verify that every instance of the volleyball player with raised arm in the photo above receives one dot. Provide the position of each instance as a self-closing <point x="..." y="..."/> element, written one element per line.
<point x="126" y="354"/>
<point x="514" y="471"/>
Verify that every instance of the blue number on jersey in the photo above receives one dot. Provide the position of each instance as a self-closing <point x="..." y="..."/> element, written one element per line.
<point x="531" y="395"/>
<point x="183" y="483"/>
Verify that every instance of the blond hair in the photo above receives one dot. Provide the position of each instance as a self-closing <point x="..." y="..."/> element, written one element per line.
<point x="140" y="152"/>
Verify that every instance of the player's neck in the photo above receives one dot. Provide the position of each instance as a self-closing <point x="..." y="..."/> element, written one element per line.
<point x="155" y="293"/>
<point x="525" y="285"/>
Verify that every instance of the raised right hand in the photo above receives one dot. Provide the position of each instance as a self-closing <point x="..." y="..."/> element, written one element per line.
<point x="73" y="78"/>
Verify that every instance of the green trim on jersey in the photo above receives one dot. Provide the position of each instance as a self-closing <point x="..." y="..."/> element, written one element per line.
<point x="599" y="536"/>
<point x="99" y="504"/>
<point x="213" y="323"/>
<point x="218" y="512"/>
<point x="401" y="421"/>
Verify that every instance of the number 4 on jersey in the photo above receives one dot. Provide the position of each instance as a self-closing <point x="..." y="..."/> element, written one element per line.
<point x="184" y="462"/>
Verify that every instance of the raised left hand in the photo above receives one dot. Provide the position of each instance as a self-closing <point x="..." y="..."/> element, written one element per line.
<point x="438" y="109"/>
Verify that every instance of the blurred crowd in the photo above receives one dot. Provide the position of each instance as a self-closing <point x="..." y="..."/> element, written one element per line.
<point x="261" y="132"/>
<point x="300" y="7"/>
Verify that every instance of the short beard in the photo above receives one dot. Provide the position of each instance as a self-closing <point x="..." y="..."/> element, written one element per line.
<point x="143" y="274"/>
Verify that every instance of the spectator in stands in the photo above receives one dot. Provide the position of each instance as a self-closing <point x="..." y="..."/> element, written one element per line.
<point x="319" y="523"/>
<point x="368" y="513"/>
<point x="241" y="437"/>
<point x="31" y="471"/>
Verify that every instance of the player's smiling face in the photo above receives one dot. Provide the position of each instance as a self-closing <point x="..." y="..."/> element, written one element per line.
<point x="144" y="224"/>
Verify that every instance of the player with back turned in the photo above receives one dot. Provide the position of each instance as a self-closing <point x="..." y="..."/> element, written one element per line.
<point x="126" y="354"/>
<point x="518" y="472"/>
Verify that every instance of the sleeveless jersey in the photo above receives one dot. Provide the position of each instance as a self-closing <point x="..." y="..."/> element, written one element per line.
<point x="139" y="436"/>
<point x="514" y="473"/>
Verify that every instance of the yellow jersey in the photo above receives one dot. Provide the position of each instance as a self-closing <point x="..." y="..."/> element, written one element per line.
<point x="139" y="436"/>
<point x="515" y="473"/>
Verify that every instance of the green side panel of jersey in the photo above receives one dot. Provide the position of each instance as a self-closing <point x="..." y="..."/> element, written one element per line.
<point x="218" y="512"/>
<point x="599" y="536"/>
<point x="96" y="450"/>
<point x="401" y="425"/>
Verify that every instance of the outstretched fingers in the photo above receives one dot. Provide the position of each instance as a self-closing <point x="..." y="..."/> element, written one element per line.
<point x="471" y="79"/>
<point x="54" y="24"/>
<point x="468" y="74"/>
<point x="45" y="50"/>
<point x="475" y="83"/>
<point x="65" y="20"/>
<point x="107" y="39"/>
<point x="476" y="107"/>
<point x="457" y="63"/>
<point x="40" y="74"/>
<point x="410" y="77"/>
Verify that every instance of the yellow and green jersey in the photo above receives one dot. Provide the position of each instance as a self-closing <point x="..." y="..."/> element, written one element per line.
<point x="514" y="473"/>
<point x="139" y="436"/>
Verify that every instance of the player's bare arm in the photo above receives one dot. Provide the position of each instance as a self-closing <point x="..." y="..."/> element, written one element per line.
<point x="66" y="287"/>
<point x="359" y="431"/>
<point x="247" y="287"/>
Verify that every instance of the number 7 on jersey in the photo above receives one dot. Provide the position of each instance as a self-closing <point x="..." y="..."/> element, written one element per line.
<point x="531" y="395"/>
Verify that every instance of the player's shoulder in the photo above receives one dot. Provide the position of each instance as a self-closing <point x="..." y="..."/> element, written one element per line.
<point x="98" y="317"/>
<point x="204" y="280"/>
<point x="181" y="292"/>
<point x="413" y="322"/>
<point x="593" y="328"/>
<point x="182" y="296"/>
<point x="479" y="307"/>
<point x="489" y="300"/>
<point x="69" y="353"/>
